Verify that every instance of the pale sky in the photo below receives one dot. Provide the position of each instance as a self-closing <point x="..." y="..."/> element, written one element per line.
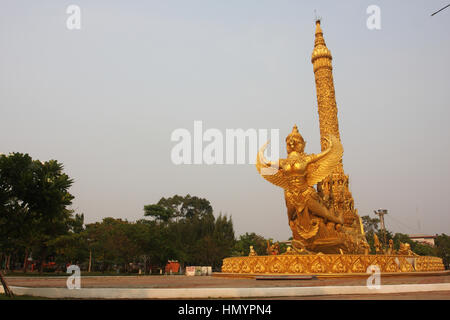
<point x="105" y="99"/>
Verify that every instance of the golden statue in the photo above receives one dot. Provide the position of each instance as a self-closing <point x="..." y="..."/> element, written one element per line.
<point x="366" y="248"/>
<point x="390" y="249"/>
<point x="405" y="249"/>
<point x="252" y="252"/>
<point x="315" y="225"/>
<point x="289" y="251"/>
<point x="328" y="234"/>
<point x="297" y="175"/>
<point x="323" y="219"/>
<point x="273" y="249"/>
<point x="377" y="245"/>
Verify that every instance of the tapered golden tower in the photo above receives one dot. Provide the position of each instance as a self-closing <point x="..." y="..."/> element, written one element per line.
<point x="321" y="60"/>
<point x="334" y="189"/>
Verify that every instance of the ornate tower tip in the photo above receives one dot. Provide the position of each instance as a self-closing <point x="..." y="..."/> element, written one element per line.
<point x="318" y="28"/>
<point x="320" y="49"/>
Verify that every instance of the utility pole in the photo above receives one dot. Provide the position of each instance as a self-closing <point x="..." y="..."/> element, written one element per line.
<point x="90" y="260"/>
<point x="381" y="213"/>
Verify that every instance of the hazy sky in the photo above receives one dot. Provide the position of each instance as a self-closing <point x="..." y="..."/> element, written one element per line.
<point x="105" y="99"/>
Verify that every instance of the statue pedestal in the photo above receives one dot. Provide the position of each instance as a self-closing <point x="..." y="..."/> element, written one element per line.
<point x="329" y="264"/>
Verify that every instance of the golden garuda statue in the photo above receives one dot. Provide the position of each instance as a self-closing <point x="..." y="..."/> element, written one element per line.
<point x="315" y="225"/>
<point x="320" y="207"/>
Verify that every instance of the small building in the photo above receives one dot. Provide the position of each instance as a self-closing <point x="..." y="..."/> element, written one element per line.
<point x="172" y="266"/>
<point x="423" y="238"/>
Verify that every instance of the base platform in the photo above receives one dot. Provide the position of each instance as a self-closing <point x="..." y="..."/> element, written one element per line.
<point x="330" y="264"/>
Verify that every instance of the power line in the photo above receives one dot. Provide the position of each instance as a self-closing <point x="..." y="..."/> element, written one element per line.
<point x="441" y="9"/>
<point x="404" y="225"/>
<point x="397" y="226"/>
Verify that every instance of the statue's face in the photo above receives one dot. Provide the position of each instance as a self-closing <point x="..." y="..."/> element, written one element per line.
<point x="295" y="144"/>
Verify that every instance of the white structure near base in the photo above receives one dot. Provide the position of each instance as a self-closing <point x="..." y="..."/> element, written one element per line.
<point x="423" y="238"/>
<point x="198" y="271"/>
<point x="205" y="293"/>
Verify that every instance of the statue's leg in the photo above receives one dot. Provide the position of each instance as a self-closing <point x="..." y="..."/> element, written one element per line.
<point x="291" y="212"/>
<point x="319" y="209"/>
<point x="299" y="247"/>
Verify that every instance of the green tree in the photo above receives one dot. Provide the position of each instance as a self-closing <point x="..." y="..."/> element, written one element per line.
<point x="49" y="200"/>
<point x="370" y="224"/>
<point x="195" y="207"/>
<point x="183" y="207"/>
<point x="33" y="200"/>
<point x="158" y="212"/>
<point x="70" y="248"/>
<point x="191" y="234"/>
<point x="242" y="245"/>
<point x="416" y="247"/>
<point x="109" y="242"/>
<point x="16" y="219"/>
<point x="442" y="243"/>
<point x="371" y="228"/>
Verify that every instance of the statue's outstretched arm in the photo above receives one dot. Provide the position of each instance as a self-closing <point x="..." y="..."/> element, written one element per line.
<point x="270" y="170"/>
<point x="262" y="162"/>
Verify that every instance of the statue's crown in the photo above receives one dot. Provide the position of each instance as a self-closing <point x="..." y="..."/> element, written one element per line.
<point x="295" y="135"/>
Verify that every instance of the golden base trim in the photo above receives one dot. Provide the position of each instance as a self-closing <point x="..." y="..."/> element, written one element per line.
<point x="329" y="264"/>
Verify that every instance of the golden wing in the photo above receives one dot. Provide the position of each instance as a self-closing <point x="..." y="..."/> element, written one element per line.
<point x="270" y="171"/>
<point x="326" y="162"/>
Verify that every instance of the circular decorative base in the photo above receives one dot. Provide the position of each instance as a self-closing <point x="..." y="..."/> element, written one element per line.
<point x="329" y="264"/>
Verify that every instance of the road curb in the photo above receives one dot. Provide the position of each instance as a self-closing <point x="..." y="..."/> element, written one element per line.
<point x="220" y="293"/>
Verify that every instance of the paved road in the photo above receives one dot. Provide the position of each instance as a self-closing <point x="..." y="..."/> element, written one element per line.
<point x="219" y="282"/>
<point x="211" y="282"/>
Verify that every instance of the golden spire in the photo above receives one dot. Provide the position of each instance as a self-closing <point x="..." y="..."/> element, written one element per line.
<point x="320" y="50"/>
<point x="319" y="35"/>
<point x="326" y="102"/>
<point x="335" y="186"/>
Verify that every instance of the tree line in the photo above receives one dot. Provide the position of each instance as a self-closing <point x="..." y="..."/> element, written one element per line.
<point x="34" y="202"/>
<point x="37" y="227"/>
<point x="440" y="249"/>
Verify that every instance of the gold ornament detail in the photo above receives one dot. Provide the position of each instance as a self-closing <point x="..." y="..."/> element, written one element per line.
<point x="329" y="264"/>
